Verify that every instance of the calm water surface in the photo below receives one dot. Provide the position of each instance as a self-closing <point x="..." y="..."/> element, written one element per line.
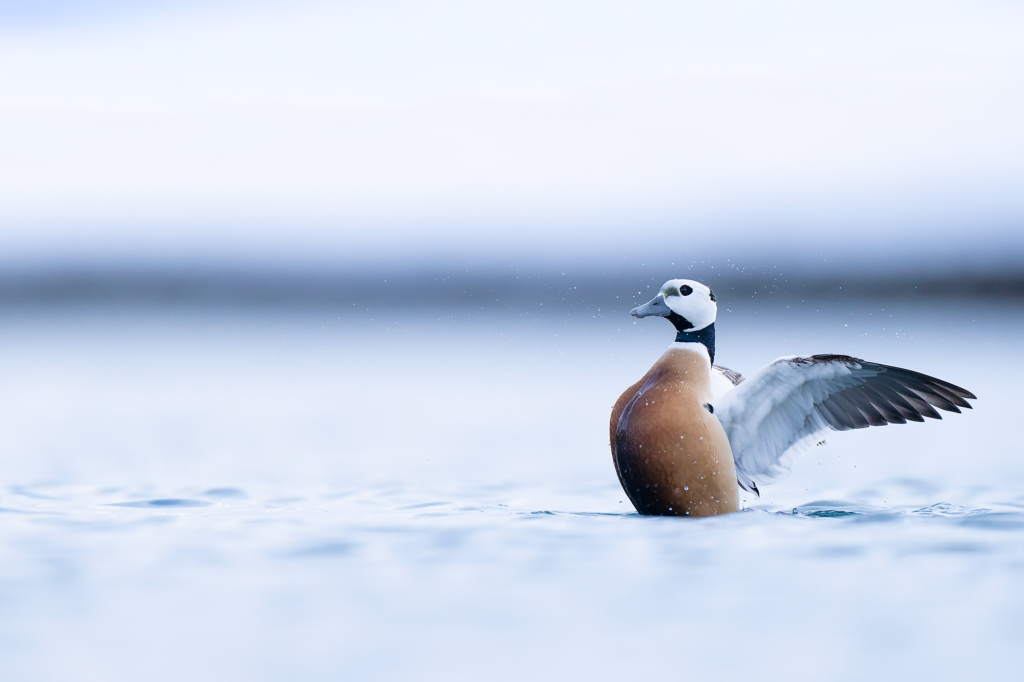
<point x="326" y="496"/>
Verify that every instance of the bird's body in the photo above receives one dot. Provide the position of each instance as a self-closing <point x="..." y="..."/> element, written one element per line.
<point x="689" y="435"/>
<point x="671" y="453"/>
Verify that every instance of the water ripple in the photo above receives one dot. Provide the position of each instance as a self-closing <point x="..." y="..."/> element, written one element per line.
<point x="162" y="503"/>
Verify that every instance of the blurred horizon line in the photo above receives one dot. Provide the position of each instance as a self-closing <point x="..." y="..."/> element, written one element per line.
<point x="480" y="286"/>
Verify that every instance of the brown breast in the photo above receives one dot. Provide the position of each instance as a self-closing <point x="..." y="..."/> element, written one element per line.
<point x="671" y="454"/>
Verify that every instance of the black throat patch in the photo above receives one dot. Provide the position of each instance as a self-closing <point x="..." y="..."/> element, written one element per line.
<point x="705" y="336"/>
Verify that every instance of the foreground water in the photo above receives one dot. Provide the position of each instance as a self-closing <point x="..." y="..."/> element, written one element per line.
<point x="314" y="496"/>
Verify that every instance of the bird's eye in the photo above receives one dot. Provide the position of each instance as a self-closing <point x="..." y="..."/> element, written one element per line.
<point x="686" y="290"/>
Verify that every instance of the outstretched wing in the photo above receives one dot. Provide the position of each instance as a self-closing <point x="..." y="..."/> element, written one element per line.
<point x="784" y="408"/>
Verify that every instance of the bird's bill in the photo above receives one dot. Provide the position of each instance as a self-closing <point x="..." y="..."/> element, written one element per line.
<point x="656" y="307"/>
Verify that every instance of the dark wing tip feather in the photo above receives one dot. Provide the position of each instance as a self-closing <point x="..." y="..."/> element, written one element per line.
<point x="941" y="394"/>
<point x="889" y="412"/>
<point x="885" y="395"/>
<point x="944" y="389"/>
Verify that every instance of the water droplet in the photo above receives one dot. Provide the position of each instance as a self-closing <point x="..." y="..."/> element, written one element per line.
<point x="686" y="487"/>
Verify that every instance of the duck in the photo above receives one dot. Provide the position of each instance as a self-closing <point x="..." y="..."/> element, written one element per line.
<point x="690" y="435"/>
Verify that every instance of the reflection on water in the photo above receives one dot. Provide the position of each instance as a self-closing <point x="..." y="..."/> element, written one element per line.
<point x="325" y="496"/>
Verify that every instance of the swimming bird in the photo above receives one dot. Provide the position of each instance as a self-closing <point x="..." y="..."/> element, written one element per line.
<point x="690" y="434"/>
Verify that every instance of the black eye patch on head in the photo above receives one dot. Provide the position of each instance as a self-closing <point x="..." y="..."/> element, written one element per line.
<point x="685" y="290"/>
<point x="712" y="295"/>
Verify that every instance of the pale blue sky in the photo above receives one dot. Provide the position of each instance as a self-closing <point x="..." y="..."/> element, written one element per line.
<point x="340" y="131"/>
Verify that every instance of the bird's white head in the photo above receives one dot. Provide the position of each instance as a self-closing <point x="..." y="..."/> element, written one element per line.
<point x="690" y="306"/>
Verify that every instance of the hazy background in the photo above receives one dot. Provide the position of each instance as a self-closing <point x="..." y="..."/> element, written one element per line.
<point x="351" y="139"/>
